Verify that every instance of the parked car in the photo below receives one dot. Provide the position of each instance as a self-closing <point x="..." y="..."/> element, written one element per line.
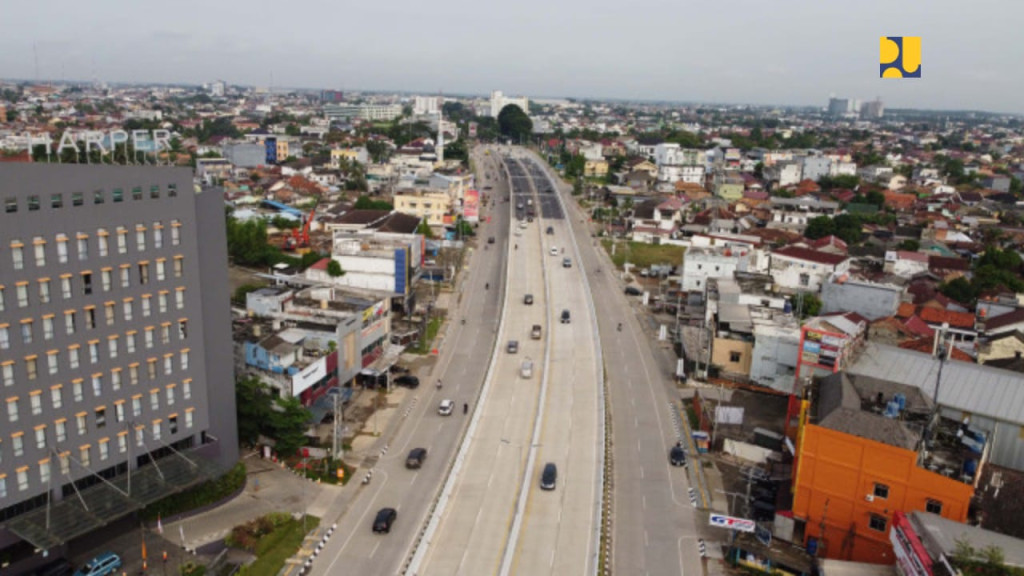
<point x="633" y="291"/>
<point x="535" y="332"/>
<point x="106" y="563"/>
<point x="415" y="458"/>
<point x="513" y="346"/>
<point x="551" y="230"/>
<point x="677" y="456"/>
<point x="408" y="381"/>
<point x="528" y="299"/>
<point x="554" y="251"/>
<point x="385" y="518"/>
<point x="549" y="476"/>
<point x="446" y="407"/>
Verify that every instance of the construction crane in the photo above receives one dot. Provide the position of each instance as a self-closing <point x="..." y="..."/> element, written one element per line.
<point x="300" y="239"/>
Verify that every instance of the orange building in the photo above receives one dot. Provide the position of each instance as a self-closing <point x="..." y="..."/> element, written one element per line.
<point x="860" y="460"/>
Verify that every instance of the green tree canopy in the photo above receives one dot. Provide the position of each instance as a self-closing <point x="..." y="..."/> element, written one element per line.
<point x="367" y="203"/>
<point x="334" y="269"/>
<point x="514" y="123"/>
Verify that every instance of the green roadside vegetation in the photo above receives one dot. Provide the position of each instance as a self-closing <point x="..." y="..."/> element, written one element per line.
<point x="644" y="255"/>
<point x="272" y="538"/>
<point x="426" y="340"/>
<point x="204" y="494"/>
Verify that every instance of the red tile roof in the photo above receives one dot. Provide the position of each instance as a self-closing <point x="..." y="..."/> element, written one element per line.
<point x="321" y="264"/>
<point x="810" y="255"/>
<point x="918" y="326"/>
<point x="935" y="316"/>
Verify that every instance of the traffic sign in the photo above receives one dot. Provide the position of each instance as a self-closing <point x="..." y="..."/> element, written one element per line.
<point x="741" y="524"/>
<point x="764" y="536"/>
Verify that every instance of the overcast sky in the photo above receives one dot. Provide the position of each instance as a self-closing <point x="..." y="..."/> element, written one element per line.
<point x="749" y="51"/>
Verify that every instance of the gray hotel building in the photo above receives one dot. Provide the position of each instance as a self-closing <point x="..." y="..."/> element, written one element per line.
<point x="116" y="371"/>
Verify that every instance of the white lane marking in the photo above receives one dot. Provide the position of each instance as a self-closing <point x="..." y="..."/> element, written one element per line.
<point x="637" y="444"/>
<point x="412" y="482"/>
<point x="636" y="422"/>
<point x="374" y="551"/>
<point x="647" y="544"/>
<point x="641" y="472"/>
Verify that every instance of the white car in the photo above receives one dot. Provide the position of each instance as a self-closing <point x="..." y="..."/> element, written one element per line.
<point x="446" y="407"/>
<point x="554" y="251"/>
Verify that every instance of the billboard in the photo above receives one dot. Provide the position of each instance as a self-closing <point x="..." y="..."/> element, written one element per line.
<point x="732" y="523"/>
<point x="309" y="375"/>
<point x="471" y="206"/>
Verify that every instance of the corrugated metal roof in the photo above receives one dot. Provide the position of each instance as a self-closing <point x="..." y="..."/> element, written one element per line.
<point x="973" y="388"/>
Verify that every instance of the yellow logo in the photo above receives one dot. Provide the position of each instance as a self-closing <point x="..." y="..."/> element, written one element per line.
<point x="899" y="57"/>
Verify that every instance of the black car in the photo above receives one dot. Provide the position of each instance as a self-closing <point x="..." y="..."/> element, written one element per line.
<point x="565" y="316"/>
<point x="490" y="240"/>
<point x="385" y="518"/>
<point x="549" y="476"/>
<point x="550" y="230"/>
<point x="677" y="456"/>
<point x="528" y="299"/>
<point x="633" y="291"/>
<point x="407" y="381"/>
<point x="415" y="458"/>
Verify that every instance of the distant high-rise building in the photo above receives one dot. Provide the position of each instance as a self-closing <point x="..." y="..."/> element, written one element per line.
<point x="838" y="106"/>
<point x="331" y="96"/>
<point x="499" y="101"/>
<point x="426" y="105"/>
<point x="218" y="88"/>
<point x="872" y="110"/>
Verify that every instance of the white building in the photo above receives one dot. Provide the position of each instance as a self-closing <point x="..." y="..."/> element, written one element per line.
<point x="499" y="101"/>
<point x="715" y="262"/>
<point x="374" y="261"/>
<point x="796" y="269"/>
<point x="426" y="105"/>
<point x="677" y="164"/>
<point x="795" y="213"/>
<point x="786" y="173"/>
<point x="218" y="88"/>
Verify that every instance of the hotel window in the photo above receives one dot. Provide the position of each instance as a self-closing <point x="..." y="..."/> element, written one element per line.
<point x="125" y="276"/>
<point x="52" y="359"/>
<point x="140" y="238"/>
<point x="182" y="329"/>
<point x="104" y="445"/>
<point x="56" y="200"/>
<point x="151" y="368"/>
<point x="18" y="444"/>
<point x="83" y="246"/>
<point x="184" y="359"/>
<point x="881" y="491"/>
<point x="933" y="506"/>
<point x="154" y="192"/>
<point x="41" y="436"/>
<point x="186" y="388"/>
<point x="44" y="291"/>
<point x="31" y="367"/>
<point x="119" y="411"/>
<point x="35" y="402"/>
<point x="112" y="347"/>
<point x="33" y="203"/>
<point x="144" y="273"/>
<point x="122" y="240"/>
<point x="94" y="352"/>
<point x="170" y="395"/>
<point x="3" y="486"/>
<point x="65" y="463"/>
<point x="165" y="333"/>
<point x="161" y="269"/>
<point x="168" y="364"/>
<point x="103" y="242"/>
<point x="137" y="193"/>
<point x="83" y="455"/>
<point x="23" y="478"/>
<point x="130" y="342"/>
<point x="172" y="190"/>
<point x="149" y="337"/>
<point x="162" y="301"/>
<point x="65" y="286"/>
<point x="77" y="198"/>
<point x="11" y="205"/>
<point x="158" y="235"/>
<point x="122" y="442"/>
<point x="107" y="277"/>
<point x="97" y="197"/>
<point x="26" y="331"/>
<point x="17" y="256"/>
<point x="44" y="471"/>
<point x="108" y="313"/>
<point x="127" y="310"/>
<point x="56" y="398"/>
<point x="188" y="418"/>
<point x="138" y="437"/>
<point x="90" y="317"/>
<point x="175" y="232"/>
<point x="22" y="290"/>
<point x="118" y="195"/>
<point x="877" y="522"/>
<point x="76" y="389"/>
<point x="80" y="421"/>
<point x="8" y="372"/>
<point x="179" y="298"/>
<point x="133" y="374"/>
<point x="48" y="327"/>
<point x="156" y="429"/>
<point x="97" y="385"/>
<point x="101" y="417"/>
<point x="62" y="248"/>
<point x="69" y="321"/>
<point x="39" y="245"/>
<point x="87" y="283"/>
<point x="179" y="266"/>
<point x="60" y="430"/>
<point x="2" y="306"/>
<point x="172" y="424"/>
<point x="5" y="337"/>
<point x="115" y="379"/>
<point x="146" y="309"/>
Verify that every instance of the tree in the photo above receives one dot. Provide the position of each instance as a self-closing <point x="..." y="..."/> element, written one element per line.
<point x="367" y="203"/>
<point x="424" y="230"/>
<point x="253" y="406"/>
<point x="282" y="223"/>
<point x="910" y="245"/>
<point x="759" y="170"/>
<point x="378" y="150"/>
<point x="288" y="424"/>
<point x="809" y="304"/>
<point x="820" y="227"/>
<point x="334" y="269"/>
<point x="464" y="229"/>
<point x="514" y="123"/>
<point x="959" y="289"/>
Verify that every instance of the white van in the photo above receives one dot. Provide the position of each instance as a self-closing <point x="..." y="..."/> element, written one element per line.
<point x="526" y="369"/>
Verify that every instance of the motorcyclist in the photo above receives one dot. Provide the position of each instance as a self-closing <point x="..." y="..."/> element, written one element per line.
<point x="438" y="383"/>
<point x="620" y="326"/>
<point x="487" y="286"/>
